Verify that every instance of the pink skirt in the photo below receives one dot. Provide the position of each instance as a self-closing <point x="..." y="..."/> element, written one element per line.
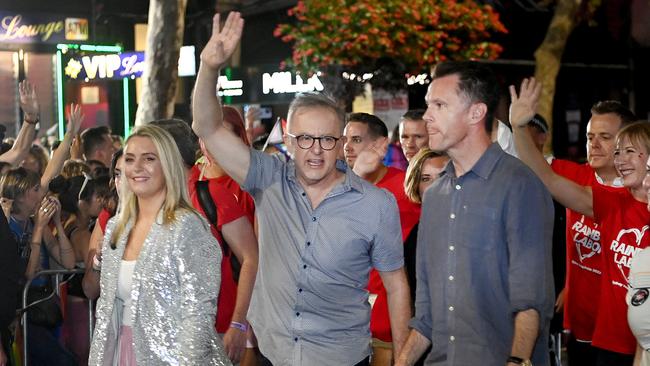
<point x="126" y="353"/>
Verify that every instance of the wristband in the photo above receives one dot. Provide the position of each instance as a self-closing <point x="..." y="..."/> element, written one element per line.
<point x="97" y="264"/>
<point x="32" y="122"/>
<point x="241" y="326"/>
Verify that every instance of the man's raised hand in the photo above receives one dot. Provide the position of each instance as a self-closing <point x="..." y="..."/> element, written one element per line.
<point x="524" y="105"/>
<point x="223" y="42"/>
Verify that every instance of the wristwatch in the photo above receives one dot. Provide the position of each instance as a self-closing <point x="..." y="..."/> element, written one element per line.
<point x="519" y="361"/>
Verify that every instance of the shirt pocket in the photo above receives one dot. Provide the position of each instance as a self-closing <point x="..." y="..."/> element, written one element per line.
<point x="480" y="228"/>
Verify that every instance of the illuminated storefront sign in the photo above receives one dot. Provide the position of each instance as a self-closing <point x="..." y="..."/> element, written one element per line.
<point x="282" y="82"/>
<point x="41" y="28"/>
<point x="119" y="66"/>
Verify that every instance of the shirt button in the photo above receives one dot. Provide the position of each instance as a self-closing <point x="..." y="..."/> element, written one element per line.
<point x="304" y="266"/>
<point x="453" y="216"/>
<point x="452" y="338"/>
<point x="451" y="278"/>
<point x="313" y="219"/>
<point x="295" y="339"/>
<point x="451" y="248"/>
<point x="308" y="243"/>
<point x="451" y="308"/>
<point x="458" y="187"/>
<point x="299" y="290"/>
<point x="297" y="313"/>
<point x="304" y="194"/>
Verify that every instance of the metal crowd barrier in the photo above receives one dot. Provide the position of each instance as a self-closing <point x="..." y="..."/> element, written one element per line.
<point x="58" y="273"/>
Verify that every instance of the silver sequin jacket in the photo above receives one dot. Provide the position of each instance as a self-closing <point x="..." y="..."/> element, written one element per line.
<point x="174" y="296"/>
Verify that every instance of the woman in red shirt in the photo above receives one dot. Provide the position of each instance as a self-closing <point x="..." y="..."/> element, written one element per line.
<point x="620" y="212"/>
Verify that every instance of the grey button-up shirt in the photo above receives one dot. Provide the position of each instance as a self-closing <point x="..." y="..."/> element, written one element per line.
<point x="483" y="254"/>
<point x="310" y="303"/>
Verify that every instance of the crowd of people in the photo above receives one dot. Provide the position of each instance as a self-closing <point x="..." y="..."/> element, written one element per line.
<point x="202" y="250"/>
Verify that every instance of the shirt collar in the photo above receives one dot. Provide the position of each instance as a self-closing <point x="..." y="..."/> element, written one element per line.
<point x="485" y="164"/>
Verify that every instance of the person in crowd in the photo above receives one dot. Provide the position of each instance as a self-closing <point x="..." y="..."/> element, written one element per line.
<point x="424" y="168"/>
<point x="29" y="105"/>
<point x="638" y="308"/>
<point x="36" y="160"/>
<point x="90" y="282"/>
<point x="157" y="254"/>
<point x="74" y="168"/>
<point x="232" y="225"/>
<point x="97" y="144"/>
<point x="80" y="198"/>
<point x="619" y="212"/>
<point x="413" y="133"/>
<point x="37" y="246"/>
<point x="117" y="142"/>
<point x="366" y="139"/>
<point x="485" y="286"/>
<point x="321" y="227"/>
<point x="10" y="286"/>
<point x="394" y="156"/>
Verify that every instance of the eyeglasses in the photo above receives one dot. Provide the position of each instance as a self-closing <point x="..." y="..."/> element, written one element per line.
<point x="306" y="141"/>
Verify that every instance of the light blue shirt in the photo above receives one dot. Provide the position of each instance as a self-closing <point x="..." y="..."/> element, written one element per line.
<point x="310" y="303"/>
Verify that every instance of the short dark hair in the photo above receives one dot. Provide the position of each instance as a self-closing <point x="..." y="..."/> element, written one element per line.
<point x="614" y="107"/>
<point x="376" y="127"/>
<point x="314" y="99"/>
<point x="476" y="81"/>
<point x="414" y="115"/>
<point x="93" y="138"/>
<point x="184" y="137"/>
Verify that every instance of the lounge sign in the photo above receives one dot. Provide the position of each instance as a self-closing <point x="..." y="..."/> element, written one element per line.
<point x="41" y="28"/>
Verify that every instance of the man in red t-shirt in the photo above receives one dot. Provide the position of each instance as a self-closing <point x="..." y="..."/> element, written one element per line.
<point x="413" y="134"/>
<point x="366" y="140"/>
<point x="585" y="238"/>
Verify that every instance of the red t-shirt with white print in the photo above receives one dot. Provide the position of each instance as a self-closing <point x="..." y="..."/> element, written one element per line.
<point x="625" y="224"/>
<point x="583" y="257"/>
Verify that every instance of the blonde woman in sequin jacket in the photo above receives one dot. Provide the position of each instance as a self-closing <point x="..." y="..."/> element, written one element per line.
<point x="160" y="269"/>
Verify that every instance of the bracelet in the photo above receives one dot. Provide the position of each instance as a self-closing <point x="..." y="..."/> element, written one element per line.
<point x="35" y="121"/>
<point x="97" y="264"/>
<point x="241" y="326"/>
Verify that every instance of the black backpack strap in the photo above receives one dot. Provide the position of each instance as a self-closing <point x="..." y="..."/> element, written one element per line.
<point x="210" y="209"/>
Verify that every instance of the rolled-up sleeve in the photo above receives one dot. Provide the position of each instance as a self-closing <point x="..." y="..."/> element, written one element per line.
<point x="387" y="250"/>
<point x="529" y="233"/>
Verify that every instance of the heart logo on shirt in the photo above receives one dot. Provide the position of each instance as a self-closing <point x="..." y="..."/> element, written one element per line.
<point x="624" y="252"/>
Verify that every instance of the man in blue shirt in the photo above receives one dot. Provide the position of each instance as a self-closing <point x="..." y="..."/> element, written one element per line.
<point x="321" y="228"/>
<point x="484" y="275"/>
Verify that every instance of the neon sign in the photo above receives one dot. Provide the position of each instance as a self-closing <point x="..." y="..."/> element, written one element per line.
<point x="282" y="82"/>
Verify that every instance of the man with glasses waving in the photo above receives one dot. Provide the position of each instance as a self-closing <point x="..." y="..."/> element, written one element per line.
<point x="321" y="227"/>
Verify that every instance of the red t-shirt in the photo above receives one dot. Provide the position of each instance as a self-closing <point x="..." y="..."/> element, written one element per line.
<point x="409" y="214"/>
<point x="583" y="258"/>
<point x="228" y="210"/>
<point x="102" y="219"/>
<point x="625" y="222"/>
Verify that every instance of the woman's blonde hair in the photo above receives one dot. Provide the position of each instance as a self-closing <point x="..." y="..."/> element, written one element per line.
<point x="74" y="168"/>
<point x="638" y="133"/>
<point x="414" y="173"/>
<point x="173" y="170"/>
